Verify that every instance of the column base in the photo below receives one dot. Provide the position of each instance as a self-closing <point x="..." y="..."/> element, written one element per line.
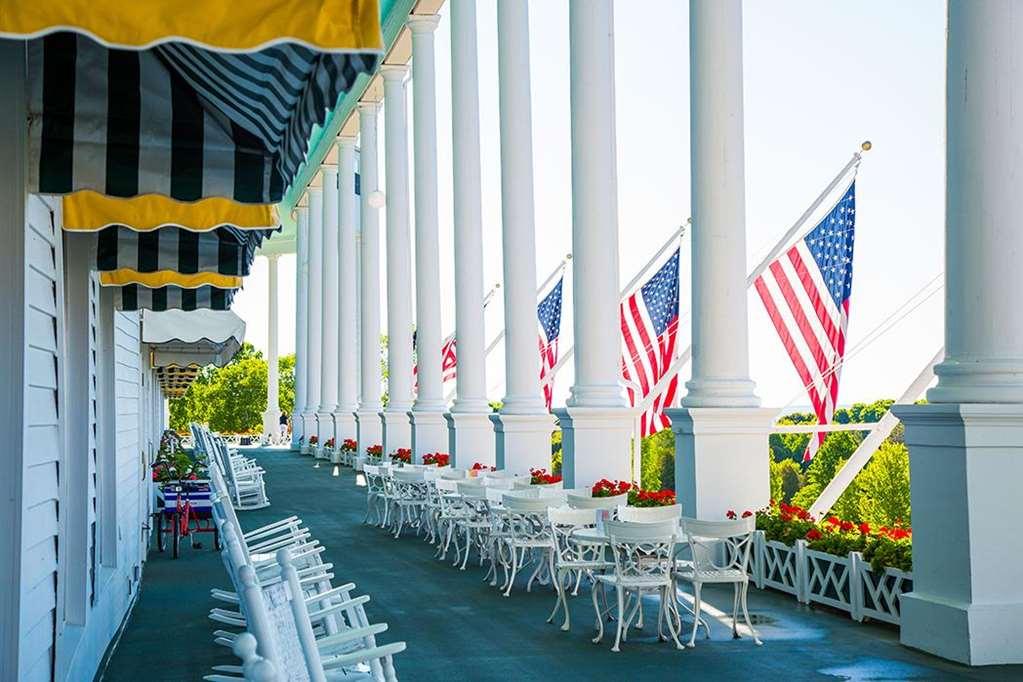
<point x="429" y="434"/>
<point x="344" y="427"/>
<point x="523" y="441"/>
<point x="324" y="432"/>
<point x="308" y="430"/>
<point x="272" y="424"/>
<point x="368" y="430"/>
<point x="297" y="429"/>
<point x="722" y="459"/>
<point x="471" y="439"/>
<point x="596" y="443"/>
<point x="965" y="461"/>
<point x="397" y="431"/>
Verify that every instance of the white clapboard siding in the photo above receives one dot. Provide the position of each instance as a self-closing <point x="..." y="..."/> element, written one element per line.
<point x="41" y="483"/>
<point x="128" y="380"/>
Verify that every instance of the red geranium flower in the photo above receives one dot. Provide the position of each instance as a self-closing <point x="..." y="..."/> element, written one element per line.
<point x="731" y="515"/>
<point x="865" y="528"/>
<point x="746" y="514"/>
<point x="813" y="534"/>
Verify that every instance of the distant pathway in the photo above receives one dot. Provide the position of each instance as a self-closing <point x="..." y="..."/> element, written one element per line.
<point x="460" y="629"/>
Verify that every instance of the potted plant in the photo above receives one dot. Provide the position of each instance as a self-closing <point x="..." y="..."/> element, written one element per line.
<point x="329" y="444"/>
<point x="441" y="459"/>
<point x="376" y="451"/>
<point x="651" y="498"/>
<point x="542" y="478"/>
<point x="478" y="468"/>
<point x="403" y="455"/>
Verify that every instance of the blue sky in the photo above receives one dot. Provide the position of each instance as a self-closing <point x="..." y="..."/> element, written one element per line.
<point x="820" y="77"/>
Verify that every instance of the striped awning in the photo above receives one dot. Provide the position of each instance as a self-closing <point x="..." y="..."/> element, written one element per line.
<point x="89" y="211"/>
<point x="326" y="25"/>
<point x="178" y="338"/>
<point x="224" y="251"/>
<point x="174" y="381"/>
<point x="135" y="297"/>
<point x="182" y="115"/>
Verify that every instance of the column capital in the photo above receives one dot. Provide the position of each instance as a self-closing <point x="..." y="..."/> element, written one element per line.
<point x="314" y="192"/>
<point x="347" y="140"/>
<point x="423" y="23"/>
<point x="370" y="108"/>
<point x="394" y="72"/>
<point x="271" y="256"/>
<point x="328" y="168"/>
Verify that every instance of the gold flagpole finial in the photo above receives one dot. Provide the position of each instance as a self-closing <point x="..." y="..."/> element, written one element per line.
<point x="866" y="146"/>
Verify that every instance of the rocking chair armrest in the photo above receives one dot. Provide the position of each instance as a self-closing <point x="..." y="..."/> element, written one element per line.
<point x="364" y="655"/>
<point x="271" y="527"/>
<point x="332" y="643"/>
<point x="320" y="614"/>
<point x="342" y="592"/>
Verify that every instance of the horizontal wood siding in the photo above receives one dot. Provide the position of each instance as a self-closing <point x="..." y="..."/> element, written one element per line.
<point x="41" y="474"/>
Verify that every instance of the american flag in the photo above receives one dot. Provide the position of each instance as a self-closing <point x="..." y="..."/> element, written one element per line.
<point x="649" y="318"/>
<point x="806" y="292"/>
<point x="549" y="314"/>
<point x="448" y="360"/>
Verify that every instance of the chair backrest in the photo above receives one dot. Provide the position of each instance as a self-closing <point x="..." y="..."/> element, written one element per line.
<point x="467" y="489"/>
<point x="706" y="538"/>
<point x="495" y="495"/>
<point x="650" y="514"/>
<point x="563" y="522"/>
<point x="454" y="474"/>
<point x="502" y="483"/>
<point x="607" y="503"/>
<point x="446" y="486"/>
<point x="404" y="476"/>
<point x="516" y="503"/>
<point x="500" y="473"/>
<point x="642" y="550"/>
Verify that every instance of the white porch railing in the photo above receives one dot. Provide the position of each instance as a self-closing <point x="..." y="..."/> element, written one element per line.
<point x="846" y="583"/>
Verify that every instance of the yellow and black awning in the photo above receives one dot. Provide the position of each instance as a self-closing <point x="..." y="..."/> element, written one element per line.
<point x="90" y="212"/>
<point x="135" y="297"/>
<point x="188" y="100"/>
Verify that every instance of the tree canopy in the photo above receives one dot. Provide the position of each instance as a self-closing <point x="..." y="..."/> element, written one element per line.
<point x="232" y="399"/>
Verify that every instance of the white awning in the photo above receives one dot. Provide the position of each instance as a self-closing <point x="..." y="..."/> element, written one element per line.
<point x="183" y="338"/>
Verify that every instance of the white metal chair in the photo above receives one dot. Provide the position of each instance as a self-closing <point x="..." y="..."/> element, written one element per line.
<point x="650" y="514"/>
<point x="375" y="493"/>
<point x="730" y="543"/>
<point x="409" y="499"/>
<point x="644" y="555"/>
<point x="570" y="557"/>
<point x="607" y="504"/>
<point x="527" y="534"/>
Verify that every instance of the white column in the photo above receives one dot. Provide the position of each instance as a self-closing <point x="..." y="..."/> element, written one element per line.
<point x="315" y="311"/>
<point x="429" y="432"/>
<point x="328" y="314"/>
<point x="966" y="445"/>
<point x="347" y="258"/>
<point x="470" y="434"/>
<point x="721" y="459"/>
<point x="523" y="427"/>
<point x="397" y="431"/>
<point x="367" y="417"/>
<point x="272" y="416"/>
<point x="596" y="425"/>
<point x="301" y="323"/>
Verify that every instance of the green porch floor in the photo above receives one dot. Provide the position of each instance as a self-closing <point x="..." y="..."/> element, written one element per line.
<point x="457" y="627"/>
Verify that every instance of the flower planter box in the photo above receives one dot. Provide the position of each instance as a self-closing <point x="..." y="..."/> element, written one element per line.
<point x="845" y="583"/>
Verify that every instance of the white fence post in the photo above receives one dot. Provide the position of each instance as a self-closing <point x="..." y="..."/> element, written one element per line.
<point x="856" y="586"/>
<point x="802" y="574"/>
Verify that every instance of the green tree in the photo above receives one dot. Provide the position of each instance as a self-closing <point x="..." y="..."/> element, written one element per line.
<point x="786" y="479"/>
<point x="286" y="383"/>
<point x="884" y="487"/>
<point x="657" y="454"/>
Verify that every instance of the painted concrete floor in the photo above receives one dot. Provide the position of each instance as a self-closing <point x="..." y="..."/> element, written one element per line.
<point x="459" y="628"/>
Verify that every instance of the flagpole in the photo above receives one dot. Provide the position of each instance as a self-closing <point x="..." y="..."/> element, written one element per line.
<point x="854" y="163"/>
<point x="684" y="357"/>
<point x="676" y="235"/>
<point x="550" y="278"/>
